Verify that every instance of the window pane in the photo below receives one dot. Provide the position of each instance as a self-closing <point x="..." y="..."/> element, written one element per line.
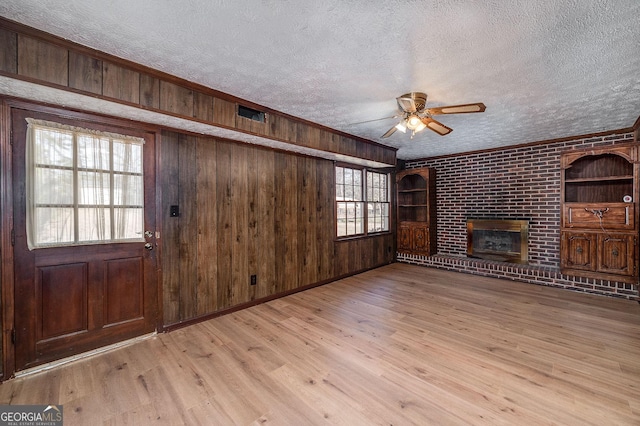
<point x="384" y="187"/>
<point x="53" y="225"/>
<point x="357" y="193"/>
<point x="128" y="223"/>
<point x="127" y="157"/>
<point x="342" y="227"/>
<point x="93" y="188"/>
<point x="359" y="219"/>
<point x="93" y="152"/>
<point x="94" y="224"/>
<point x="348" y="192"/>
<point x="341" y="216"/>
<point x="378" y="219"/>
<point x="348" y="176"/>
<point x="350" y="195"/>
<point x="128" y="190"/>
<point x="377" y="187"/>
<point x="56" y="186"/>
<point x="53" y="147"/>
<point x="357" y="177"/>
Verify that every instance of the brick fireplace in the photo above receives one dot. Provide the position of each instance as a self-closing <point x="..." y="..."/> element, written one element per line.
<point x="517" y="182"/>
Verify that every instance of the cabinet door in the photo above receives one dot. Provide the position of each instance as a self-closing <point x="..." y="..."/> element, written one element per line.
<point x="578" y="251"/>
<point x="404" y="238"/>
<point x="616" y="254"/>
<point x="421" y="239"/>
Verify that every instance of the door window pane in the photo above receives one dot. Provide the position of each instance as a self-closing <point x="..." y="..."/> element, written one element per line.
<point x="54" y="225"/>
<point x="83" y="186"/>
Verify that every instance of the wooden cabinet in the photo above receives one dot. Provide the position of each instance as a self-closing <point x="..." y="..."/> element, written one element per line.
<point x="599" y="224"/>
<point x="416" y="201"/>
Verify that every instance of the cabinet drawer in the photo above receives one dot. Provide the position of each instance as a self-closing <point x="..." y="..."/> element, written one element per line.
<point x="594" y="216"/>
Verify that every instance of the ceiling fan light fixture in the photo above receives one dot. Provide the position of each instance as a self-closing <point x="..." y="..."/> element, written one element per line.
<point x="413" y="122"/>
<point x="417" y="117"/>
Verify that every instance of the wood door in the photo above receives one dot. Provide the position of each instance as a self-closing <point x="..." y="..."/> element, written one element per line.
<point x="73" y="299"/>
<point x="616" y="254"/>
<point x="578" y="251"/>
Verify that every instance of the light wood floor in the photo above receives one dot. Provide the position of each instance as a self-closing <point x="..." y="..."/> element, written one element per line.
<point x="399" y="345"/>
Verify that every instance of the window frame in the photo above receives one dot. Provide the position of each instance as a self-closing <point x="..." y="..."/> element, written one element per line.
<point x="108" y="207"/>
<point x="364" y="187"/>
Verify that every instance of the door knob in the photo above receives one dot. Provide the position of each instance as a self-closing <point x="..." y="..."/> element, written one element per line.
<point x="148" y="234"/>
<point x="148" y="246"/>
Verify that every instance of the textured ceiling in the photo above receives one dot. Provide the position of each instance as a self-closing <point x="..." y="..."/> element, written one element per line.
<point x="544" y="69"/>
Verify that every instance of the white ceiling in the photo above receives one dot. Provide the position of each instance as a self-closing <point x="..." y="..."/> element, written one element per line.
<point x="544" y="69"/>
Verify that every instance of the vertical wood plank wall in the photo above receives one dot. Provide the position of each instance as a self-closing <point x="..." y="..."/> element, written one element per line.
<point x="247" y="210"/>
<point x="244" y="210"/>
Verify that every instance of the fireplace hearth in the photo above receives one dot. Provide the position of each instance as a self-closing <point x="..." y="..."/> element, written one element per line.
<point x="504" y="240"/>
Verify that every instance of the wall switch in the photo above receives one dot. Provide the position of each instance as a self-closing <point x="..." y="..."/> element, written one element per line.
<point x="254" y="279"/>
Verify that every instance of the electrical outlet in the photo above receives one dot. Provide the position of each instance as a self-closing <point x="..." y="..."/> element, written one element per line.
<point x="254" y="279"/>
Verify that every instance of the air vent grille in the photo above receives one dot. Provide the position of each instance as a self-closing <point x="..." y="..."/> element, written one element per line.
<point x="251" y="114"/>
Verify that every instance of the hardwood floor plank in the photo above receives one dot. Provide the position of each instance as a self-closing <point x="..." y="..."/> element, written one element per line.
<point x="400" y="344"/>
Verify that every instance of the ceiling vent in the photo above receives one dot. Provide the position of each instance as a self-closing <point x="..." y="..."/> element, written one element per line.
<point x="251" y="114"/>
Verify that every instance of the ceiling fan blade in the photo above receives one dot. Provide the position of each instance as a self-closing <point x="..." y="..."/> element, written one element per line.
<point x="436" y="126"/>
<point x="375" y="119"/>
<point x="457" y="109"/>
<point x="390" y="132"/>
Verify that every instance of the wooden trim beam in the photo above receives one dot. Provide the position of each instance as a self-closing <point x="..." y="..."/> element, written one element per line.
<point x="6" y="237"/>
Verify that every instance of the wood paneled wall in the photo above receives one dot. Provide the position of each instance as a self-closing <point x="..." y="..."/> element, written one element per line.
<point x="32" y="55"/>
<point x="246" y="210"/>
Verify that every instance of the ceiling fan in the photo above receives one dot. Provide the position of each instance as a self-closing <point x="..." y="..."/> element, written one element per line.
<point x="416" y="117"/>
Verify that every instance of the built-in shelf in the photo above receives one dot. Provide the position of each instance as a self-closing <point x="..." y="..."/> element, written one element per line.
<point x="416" y="190"/>
<point x="599" y="228"/>
<point x="403" y="191"/>
<point x="598" y="179"/>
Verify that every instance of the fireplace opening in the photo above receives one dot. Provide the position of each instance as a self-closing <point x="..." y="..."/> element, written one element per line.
<point x="504" y="240"/>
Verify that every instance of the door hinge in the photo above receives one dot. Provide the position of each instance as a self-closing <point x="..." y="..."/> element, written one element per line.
<point x="13" y="237"/>
<point x="13" y="336"/>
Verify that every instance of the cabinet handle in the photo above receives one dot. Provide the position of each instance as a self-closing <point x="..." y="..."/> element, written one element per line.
<point x="599" y="213"/>
<point x="579" y="250"/>
<point x="614" y="252"/>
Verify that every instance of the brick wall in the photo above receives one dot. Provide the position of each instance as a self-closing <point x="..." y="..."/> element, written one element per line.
<point x="517" y="183"/>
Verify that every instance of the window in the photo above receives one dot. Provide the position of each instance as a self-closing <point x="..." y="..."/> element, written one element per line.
<point x="377" y="202"/>
<point x="83" y="186"/>
<point x="362" y="201"/>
